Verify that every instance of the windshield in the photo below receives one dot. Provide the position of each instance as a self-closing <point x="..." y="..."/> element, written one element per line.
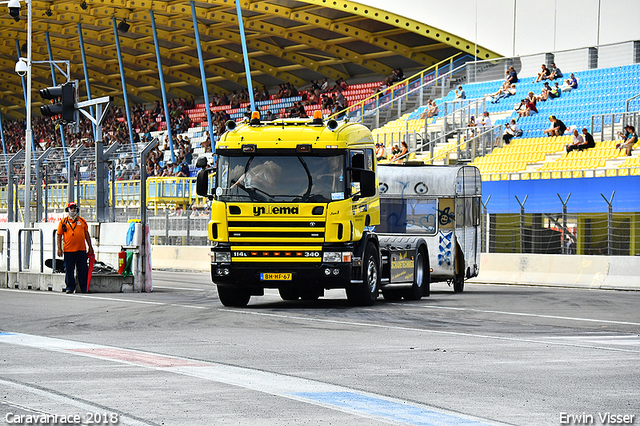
<point x="281" y="178"/>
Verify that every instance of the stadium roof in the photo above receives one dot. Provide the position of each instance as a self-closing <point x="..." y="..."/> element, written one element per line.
<point x="287" y="41"/>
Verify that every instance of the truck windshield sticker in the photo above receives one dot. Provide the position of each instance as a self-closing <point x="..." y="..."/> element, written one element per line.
<point x="337" y="196"/>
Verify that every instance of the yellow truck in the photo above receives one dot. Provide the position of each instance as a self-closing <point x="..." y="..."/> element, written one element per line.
<point x="294" y="207"/>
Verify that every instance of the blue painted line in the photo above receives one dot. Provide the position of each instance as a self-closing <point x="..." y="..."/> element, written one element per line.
<point x="390" y="410"/>
<point x="3" y="333"/>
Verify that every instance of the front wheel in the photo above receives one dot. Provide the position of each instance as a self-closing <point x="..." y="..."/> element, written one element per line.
<point x="365" y="294"/>
<point x="233" y="296"/>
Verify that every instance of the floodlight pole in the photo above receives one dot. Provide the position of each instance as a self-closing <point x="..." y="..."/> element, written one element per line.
<point x="28" y="133"/>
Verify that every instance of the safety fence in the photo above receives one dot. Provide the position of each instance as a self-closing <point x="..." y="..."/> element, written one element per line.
<point x="562" y="231"/>
<point x="162" y="192"/>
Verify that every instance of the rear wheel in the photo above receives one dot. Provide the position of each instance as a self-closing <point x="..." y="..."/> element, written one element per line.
<point x="365" y="294"/>
<point x="420" y="277"/>
<point x="233" y="296"/>
<point x="458" y="279"/>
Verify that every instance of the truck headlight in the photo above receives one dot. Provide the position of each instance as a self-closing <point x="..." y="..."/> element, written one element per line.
<point x="336" y="256"/>
<point x="222" y="256"/>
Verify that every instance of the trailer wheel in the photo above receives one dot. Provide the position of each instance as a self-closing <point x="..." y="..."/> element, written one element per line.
<point x="288" y="293"/>
<point x="458" y="279"/>
<point x="365" y="294"/>
<point x="420" y="277"/>
<point x="233" y="297"/>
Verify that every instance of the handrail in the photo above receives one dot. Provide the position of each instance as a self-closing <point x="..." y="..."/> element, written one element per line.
<point x="20" y="247"/>
<point x="8" y="248"/>
<point x="404" y="83"/>
<point x="628" y="101"/>
<point x="463" y="110"/>
<point x="635" y="118"/>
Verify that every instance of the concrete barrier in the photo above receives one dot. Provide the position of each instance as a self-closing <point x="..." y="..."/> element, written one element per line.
<point x="606" y="272"/>
<point x="191" y="258"/>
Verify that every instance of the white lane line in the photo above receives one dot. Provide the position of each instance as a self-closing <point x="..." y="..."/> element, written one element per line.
<point x="425" y="330"/>
<point x="180" y="288"/>
<point x="532" y="315"/>
<point x="338" y="398"/>
<point x="113" y="299"/>
<point x="87" y="408"/>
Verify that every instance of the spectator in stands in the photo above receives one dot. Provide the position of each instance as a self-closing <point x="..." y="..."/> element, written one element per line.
<point x="433" y="109"/>
<point x="486" y="120"/>
<point x="395" y="151"/>
<point x="341" y="100"/>
<point x="269" y="116"/>
<point x="503" y="93"/>
<point x="460" y="93"/>
<point x="511" y="131"/>
<point x="577" y="142"/>
<point x="340" y="84"/>
<point x="589" y="142"/>
<point x="627" y="145"/>
<point x="190" y="104"/>
<point x="543" y="74"/>
<point x="557" y="127"/>
<point x="529" y="106"/>
<point x="397" y="75"/>
<point x="513" y="76"/>
<point x="624" y="135"/>
<point x="401" y="152"/>
<point x="555" y="91"/>
<point x="573" y="81"/>
<point x="544" y="93"/>
<point x="324" y="86"/>
<point x="381" y="152"/>
<point x="566" y="86"/>
<point x="312" y="98"/>
<point x="555" y="72"/>
<point x="206" y="144"/>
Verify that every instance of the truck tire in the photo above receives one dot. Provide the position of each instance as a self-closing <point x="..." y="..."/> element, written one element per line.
<point x="365" y="294"/>
<point x="288" y="293"/>
<point x="458" y="278"/>
<point x="233" y="297"/>
<point x="420" y="277"/>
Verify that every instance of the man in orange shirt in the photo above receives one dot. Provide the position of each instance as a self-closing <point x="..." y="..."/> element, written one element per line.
<point x="75" y="232"/>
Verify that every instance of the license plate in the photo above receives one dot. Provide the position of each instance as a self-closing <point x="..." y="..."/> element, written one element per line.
<point x="266" y="276"/>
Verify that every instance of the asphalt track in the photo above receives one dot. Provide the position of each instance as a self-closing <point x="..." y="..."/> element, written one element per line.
<point x="492" y="355"/>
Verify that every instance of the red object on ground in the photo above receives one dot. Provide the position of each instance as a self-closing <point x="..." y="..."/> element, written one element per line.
<point x="92" y="261"/>
<point x="122" y="261"/>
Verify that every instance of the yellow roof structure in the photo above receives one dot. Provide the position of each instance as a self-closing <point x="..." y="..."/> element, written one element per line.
<point x="287" y="41"/>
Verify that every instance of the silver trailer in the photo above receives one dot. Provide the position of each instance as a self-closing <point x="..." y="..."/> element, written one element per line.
<point x="440" y="204"/>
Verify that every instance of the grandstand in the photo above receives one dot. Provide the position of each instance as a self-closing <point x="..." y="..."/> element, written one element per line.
<point x="531" y="174"/>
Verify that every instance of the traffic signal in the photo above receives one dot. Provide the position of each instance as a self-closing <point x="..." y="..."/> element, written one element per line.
<point x="63" y="102"/>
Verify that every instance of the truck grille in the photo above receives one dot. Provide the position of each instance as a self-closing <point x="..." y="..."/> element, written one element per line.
<point x="307" y="231"/>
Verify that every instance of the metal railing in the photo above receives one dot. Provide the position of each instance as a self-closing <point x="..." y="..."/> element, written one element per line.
<point x="614" y="122"/>
<point x="8" y="248"/>
<point x="29" y="231"/>
<point x="401" y="91"/>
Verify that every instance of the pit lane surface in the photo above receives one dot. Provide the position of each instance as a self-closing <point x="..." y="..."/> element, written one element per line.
<point x="491" y="355"/>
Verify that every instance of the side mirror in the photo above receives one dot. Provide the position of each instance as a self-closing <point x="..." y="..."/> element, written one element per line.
<point x="368" y="183"/>
<point x="201" y="162"/>
<point x="202" y="181"/>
